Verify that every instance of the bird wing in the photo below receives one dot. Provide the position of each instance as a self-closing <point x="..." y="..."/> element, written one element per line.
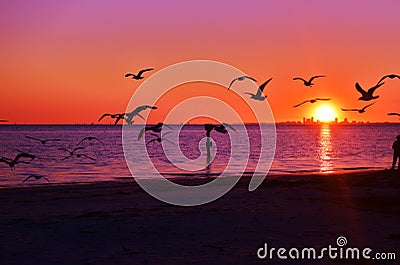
<point x="164" y="134"/>
<point x="233" y="81"/>
<point x="368" y="106"/>
<point x="264" y="84"/>
<point x="140" y="116"/>
<point x="359" y="89"/>
<point x="91" y="158"/>
<point x="144" y="70"/>
<point x="129" y="74"/>
<point x="149" y="142"/>
<point x="298" y="105"/>
<point x="23" y="155"/>
<point x="63" y="149"/>
<point x="393" y="114"/>
<point x="141" y="133"/>
<point x="323" y="99"/>
<point x="249" y="77"/>
<point x="33" y="138"/>
<point x="349" y="109"/>
<point x="383" y="78"/>
<point x="316" y="76"/>
<point x="84" y="139"/>
<point x="76" y="148"/>
<point x="372" y="89"/>
<point x="27" y="179"/>
<point x="169" y="141"/>
<point x="251" y="94"/>
<point x="66" y="157"/>
<point x="97" y="139"/>
<point x="229" y="126"/>
<point x="46" y="179"/>
<point x="104" y="115"/>
<point x="299" y="78"/>
<point x="168" y="126"/>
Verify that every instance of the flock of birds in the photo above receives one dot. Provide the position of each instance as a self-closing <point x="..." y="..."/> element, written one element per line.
<point x="155" y="130"/>
<point x="25" y="157"/>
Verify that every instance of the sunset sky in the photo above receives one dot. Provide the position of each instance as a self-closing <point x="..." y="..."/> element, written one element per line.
<point x="64" y="62"/>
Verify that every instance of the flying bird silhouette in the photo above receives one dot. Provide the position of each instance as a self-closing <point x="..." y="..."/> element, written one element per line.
<point x="71" y="153"/>
<point x="159" y="139"/>
<point x="42" y="141"/>
<point x="259" y="96"/>
<point x="35" y="176"/>
<point x="135" y="112"/>
<point x="12" y="162"/>
<point x="368" y="95"/>
<point x="308" y="82"/>
<point x="359" y="110"/>
<point x="219" y="128"/>
<point x="311" y="101"/>
<point x="391" y="76"/>
<point x="240" y="78"/>
<point x="90" y="138"/>
<point x="156" y="128"/>
<point x="116" y="116"/>
<point x="138" y="76"/>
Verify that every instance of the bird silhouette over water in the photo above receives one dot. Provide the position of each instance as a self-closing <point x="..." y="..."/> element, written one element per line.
<point x="138" y="76"/>
<point x="359" y="110"/>
<point x="72" y="153"/>
<point x="308" y="82"/>
<point x="311" y="101"/>
<point x="221" y="128"/>
<point x="391" y="76"/>
<point x="368" y="95"/>
<point x="259" y="96"/>
<point x="116" y="116"/>
<point x="241" y="78"/>
<point x="155" y="128"/>
<point x="159" y="139"/>
<point x="12" y="162"/>
<point x="135" y="112"/>
<point x="42" y="141"/>
<point x="35" y="176"/>
<point x="90" y="138"/>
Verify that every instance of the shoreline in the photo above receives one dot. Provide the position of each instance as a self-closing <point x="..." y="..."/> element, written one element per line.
<point x="119" y="223"/>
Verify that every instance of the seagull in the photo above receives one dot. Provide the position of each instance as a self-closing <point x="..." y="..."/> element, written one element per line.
<point x="135" y="112"/>
<point x="359" y="110"/>
<point x="394" y="114"/>
<point x="391" y="76"/>
<point x="219" y="128"/>
<point x="308" y="82"/>
<point x="159" y="139"/>
<point x="139" y="75"/>
<point x="241" y="78"/>
<point x="12" y="163"/>
<point x="311" y="101"/>
<point x="156" y="128"/>
<point x="117" y="116"/>
<point x="367" y="95"/>
<point x="259" y="96"/>
<point x="71" y="153"/>
<point x="90" y="138"/>
<point x="37" y="177"/>
<point x="42" y="141"/>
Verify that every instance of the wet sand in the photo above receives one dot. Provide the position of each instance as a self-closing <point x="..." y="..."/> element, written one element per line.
<point x="119" y="223"/>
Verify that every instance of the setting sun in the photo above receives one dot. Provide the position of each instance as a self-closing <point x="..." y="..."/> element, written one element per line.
<point x="325" y="113"/>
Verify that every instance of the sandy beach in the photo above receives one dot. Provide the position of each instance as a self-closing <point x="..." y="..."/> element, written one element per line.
<point x="118" y="223"/>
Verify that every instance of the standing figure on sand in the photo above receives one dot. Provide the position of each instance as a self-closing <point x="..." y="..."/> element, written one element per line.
<point x="396" y="152"/>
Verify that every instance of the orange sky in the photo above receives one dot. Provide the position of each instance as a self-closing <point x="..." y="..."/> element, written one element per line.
<point x="64" y="62"/>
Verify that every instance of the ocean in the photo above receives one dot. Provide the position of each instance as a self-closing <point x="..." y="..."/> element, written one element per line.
<point x="299" y="149"/>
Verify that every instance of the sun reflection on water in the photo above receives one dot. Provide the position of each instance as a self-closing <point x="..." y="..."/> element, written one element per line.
<point x="325" y="155"/>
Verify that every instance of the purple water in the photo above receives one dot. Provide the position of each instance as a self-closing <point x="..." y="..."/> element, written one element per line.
<point x="299" y="148"/>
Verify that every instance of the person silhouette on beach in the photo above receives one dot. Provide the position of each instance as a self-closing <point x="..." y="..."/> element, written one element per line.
<point x="396" y="152"/>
